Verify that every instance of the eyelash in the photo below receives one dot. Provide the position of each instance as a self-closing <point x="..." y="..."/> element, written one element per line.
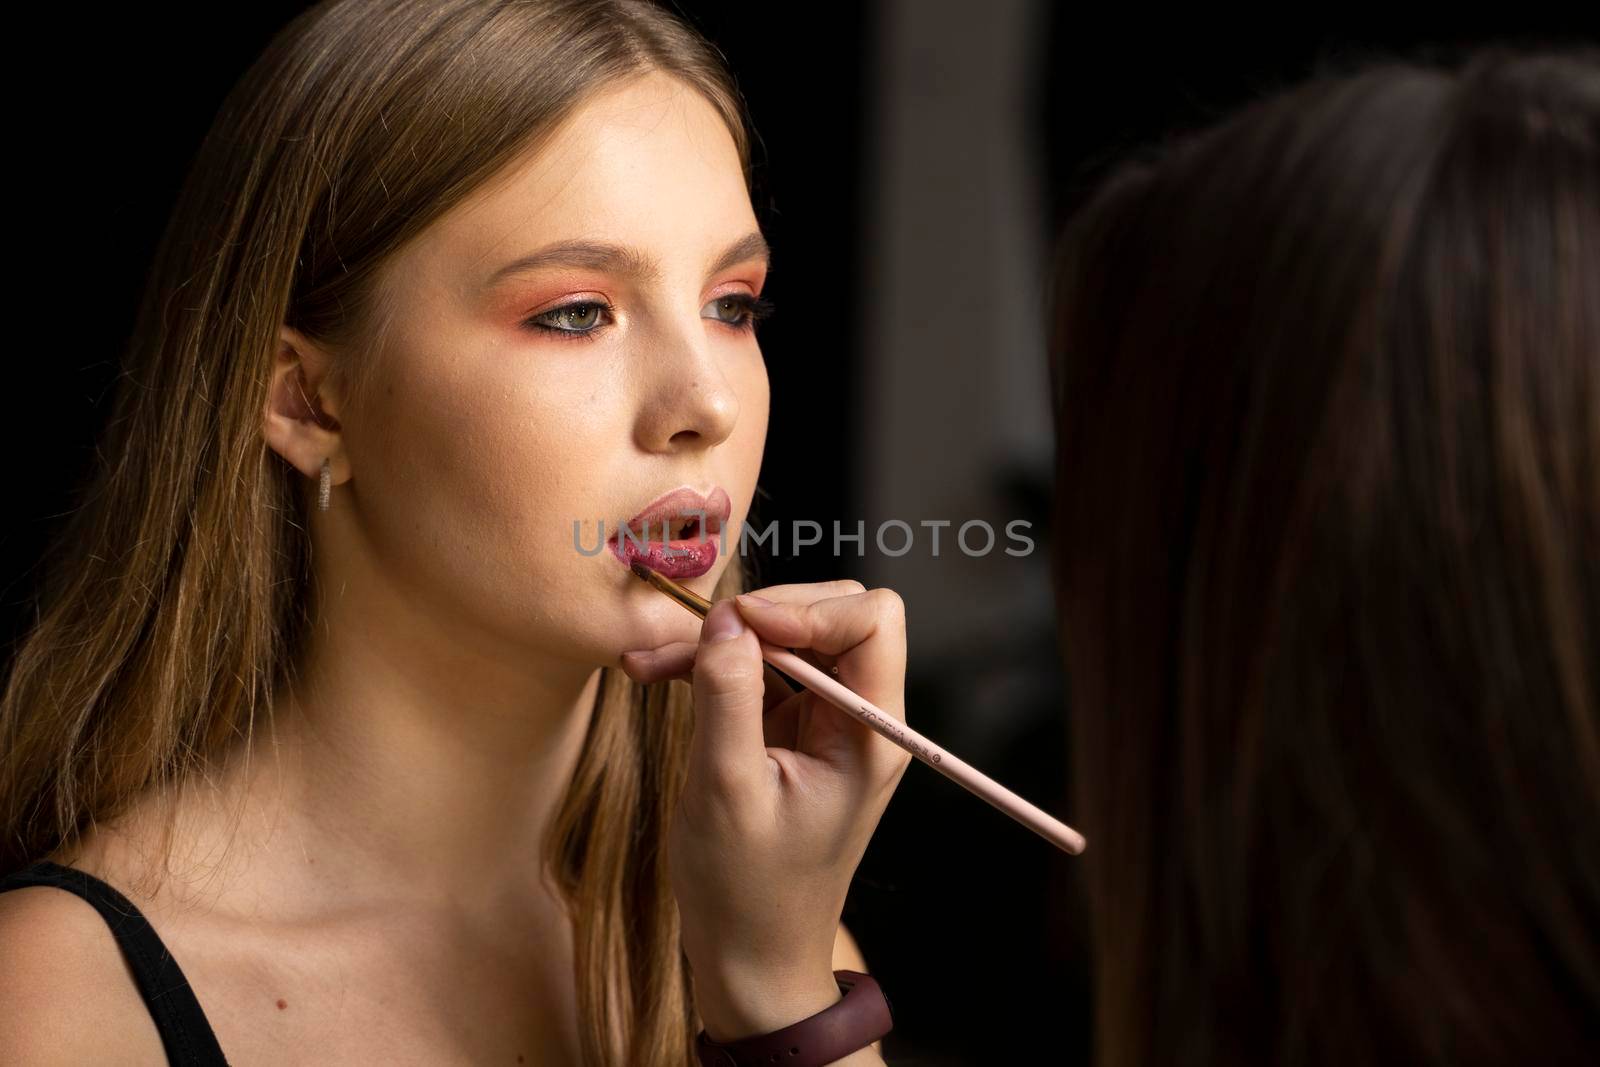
<point x="755" y="308"/>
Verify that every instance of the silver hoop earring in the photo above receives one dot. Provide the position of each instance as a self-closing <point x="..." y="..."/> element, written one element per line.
<point x="324" y="486"/>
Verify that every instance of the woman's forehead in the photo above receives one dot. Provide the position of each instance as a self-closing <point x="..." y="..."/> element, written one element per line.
<point x="627" y="202"/>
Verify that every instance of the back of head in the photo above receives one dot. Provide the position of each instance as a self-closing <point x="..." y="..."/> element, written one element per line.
<point x="1327" y="386"/>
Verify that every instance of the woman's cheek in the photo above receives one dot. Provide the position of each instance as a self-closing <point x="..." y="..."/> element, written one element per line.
<point x="754" y="413"/>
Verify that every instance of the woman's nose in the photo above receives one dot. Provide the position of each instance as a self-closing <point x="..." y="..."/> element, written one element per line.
<point x="688" y="400"/>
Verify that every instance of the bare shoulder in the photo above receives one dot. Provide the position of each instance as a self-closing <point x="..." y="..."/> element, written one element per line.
<point x="68" y="996"/>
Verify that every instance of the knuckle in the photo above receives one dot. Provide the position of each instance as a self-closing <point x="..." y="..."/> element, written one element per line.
<point x="704" y="805"/>
<point x="812" y="616"/>
<point x="715" y="791"/>
<point x="728" y="675"/>
<point x="723" y="787"/>
<point x="890" y="607"/>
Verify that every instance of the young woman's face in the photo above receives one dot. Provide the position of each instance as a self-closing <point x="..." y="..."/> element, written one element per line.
<point x="515" y="401"/>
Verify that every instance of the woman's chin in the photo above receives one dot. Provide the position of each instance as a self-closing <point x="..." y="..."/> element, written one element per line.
<point x="641" y="617"/>
<point x="653" y="620"/>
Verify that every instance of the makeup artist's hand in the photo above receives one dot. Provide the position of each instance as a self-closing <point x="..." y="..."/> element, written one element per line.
<point x="782" y="795"/>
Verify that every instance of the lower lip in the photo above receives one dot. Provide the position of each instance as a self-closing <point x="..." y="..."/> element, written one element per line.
<point x="675" y="559"/>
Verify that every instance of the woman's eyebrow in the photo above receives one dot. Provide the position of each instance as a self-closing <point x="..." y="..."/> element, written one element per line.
<point x="622" y="259"/>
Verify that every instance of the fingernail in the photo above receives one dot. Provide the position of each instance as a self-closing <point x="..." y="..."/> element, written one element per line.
<point x="637" y="652"/>
<point x="723" y="623"/>
<point x="751" y="598"/>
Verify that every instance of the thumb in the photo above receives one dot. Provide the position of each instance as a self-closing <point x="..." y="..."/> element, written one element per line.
<point x="729" y="743"/>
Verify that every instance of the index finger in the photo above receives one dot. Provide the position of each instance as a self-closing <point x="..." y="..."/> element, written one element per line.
<point x="806" y="593"/>
<point x="866" y="631"/>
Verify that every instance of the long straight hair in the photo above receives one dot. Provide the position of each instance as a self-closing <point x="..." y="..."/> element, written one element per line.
<point x="176" y="599"/>
<point x="1326" y="380"/>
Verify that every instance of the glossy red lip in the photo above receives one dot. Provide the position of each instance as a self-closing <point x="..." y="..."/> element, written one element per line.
<point x="676" y="534"/>
<point x="665" y="518"/>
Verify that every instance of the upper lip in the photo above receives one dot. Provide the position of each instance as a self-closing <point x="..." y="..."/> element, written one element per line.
<point x="678" y="506"/>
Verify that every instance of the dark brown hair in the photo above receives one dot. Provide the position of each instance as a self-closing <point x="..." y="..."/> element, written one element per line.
<point x="179" y="595"/>
<point x="1326" y="378"/>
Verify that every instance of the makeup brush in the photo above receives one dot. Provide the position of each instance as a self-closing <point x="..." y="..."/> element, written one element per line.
<point x="963" y="774"/>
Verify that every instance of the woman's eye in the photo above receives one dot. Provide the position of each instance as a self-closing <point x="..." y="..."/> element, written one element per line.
<point x="580" y="320"/>
<point x="739" y="310"/>
<point x="583" y="320"/>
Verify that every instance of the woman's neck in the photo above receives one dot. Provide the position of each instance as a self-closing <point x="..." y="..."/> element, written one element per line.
<point x="413" y="761"/>
<point x="422" y="779"/>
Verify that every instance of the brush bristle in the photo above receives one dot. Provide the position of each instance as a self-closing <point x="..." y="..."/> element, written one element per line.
<point x="640" y="570"/>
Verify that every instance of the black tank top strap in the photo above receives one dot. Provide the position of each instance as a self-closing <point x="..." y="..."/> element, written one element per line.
<point x="183" y="1026"/>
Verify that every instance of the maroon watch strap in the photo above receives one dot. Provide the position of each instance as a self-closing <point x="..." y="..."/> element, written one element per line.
<point x="855" y="1022"/>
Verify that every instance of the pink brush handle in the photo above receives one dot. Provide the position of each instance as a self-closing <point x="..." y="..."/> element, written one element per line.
<point x="963" y="774"/>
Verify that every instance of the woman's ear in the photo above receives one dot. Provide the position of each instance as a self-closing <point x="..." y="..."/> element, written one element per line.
<point x="300" y="422"/>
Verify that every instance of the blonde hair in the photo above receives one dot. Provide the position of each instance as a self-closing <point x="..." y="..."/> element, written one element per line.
<point x="176" y="598"/>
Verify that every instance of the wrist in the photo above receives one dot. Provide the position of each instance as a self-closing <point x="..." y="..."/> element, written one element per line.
<point x="738" y="1006"/>
<point x="842" y="1034"/>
